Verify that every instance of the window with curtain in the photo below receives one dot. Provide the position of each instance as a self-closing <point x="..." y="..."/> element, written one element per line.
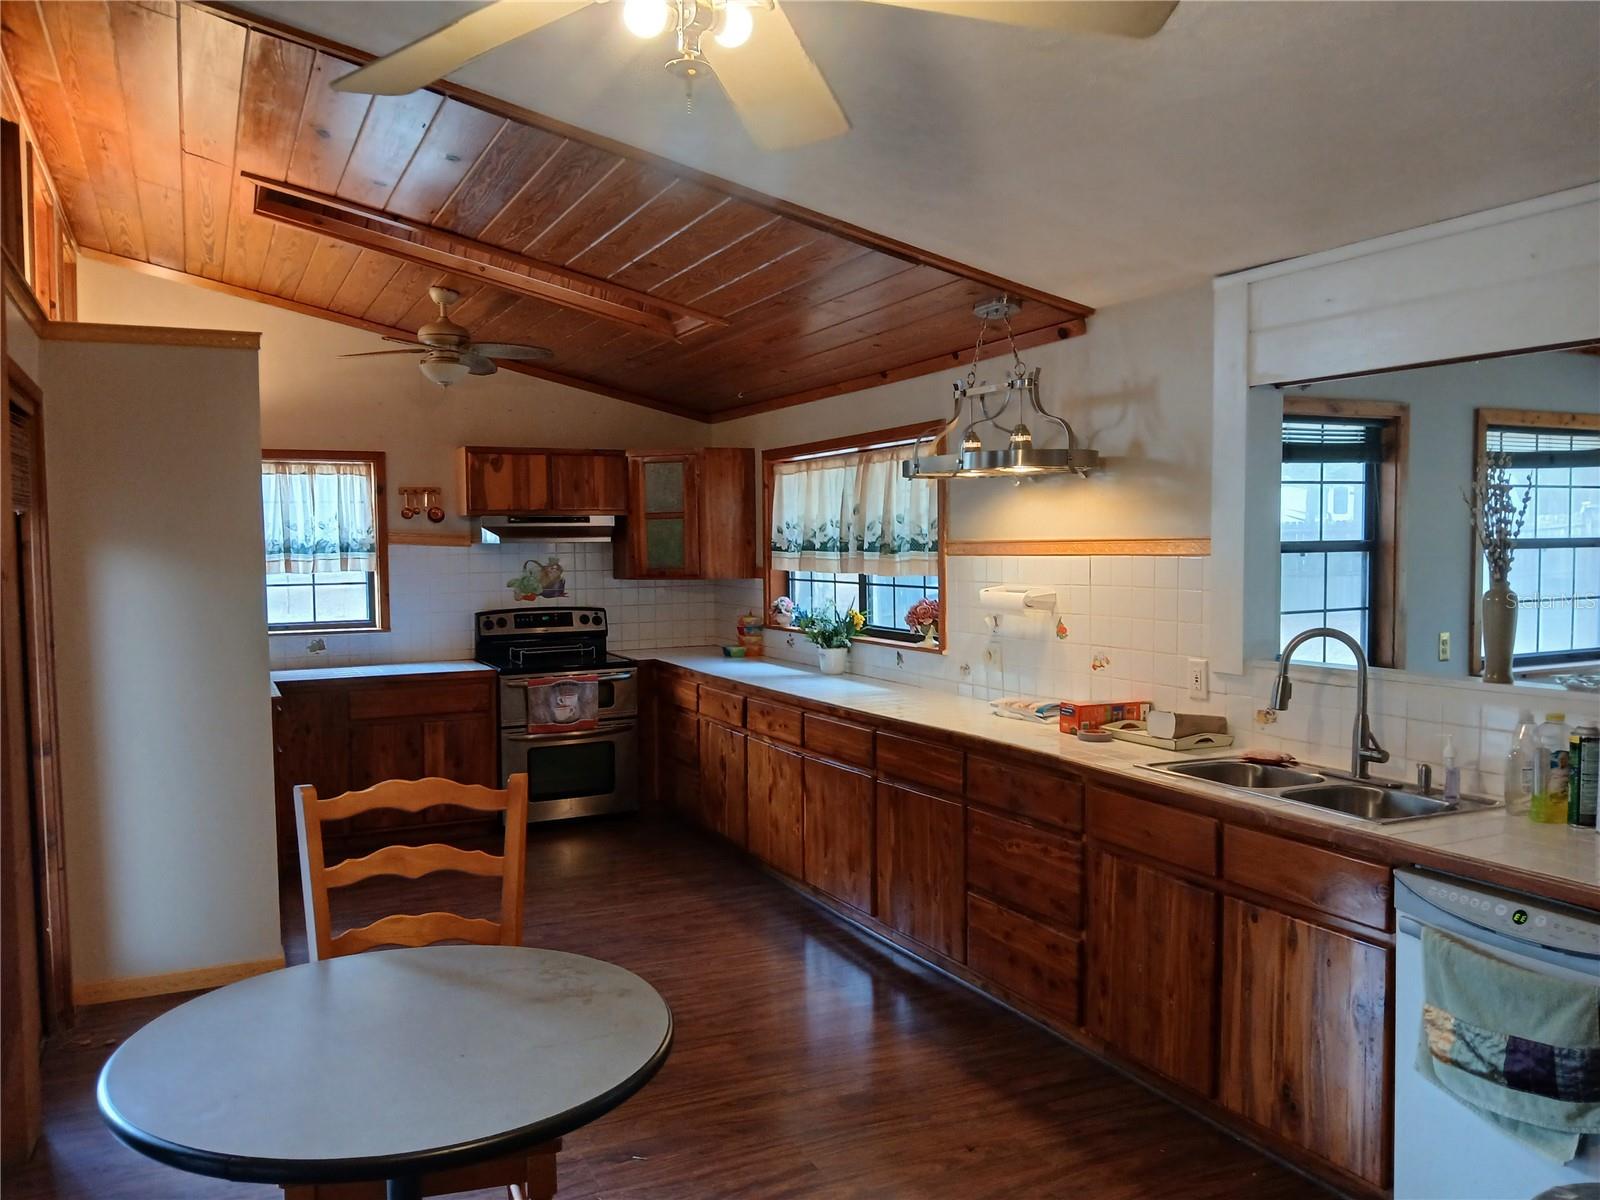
<point x="325" y="544"/>
<point x="1555" y="570"/>
<point x="848" y="530"/>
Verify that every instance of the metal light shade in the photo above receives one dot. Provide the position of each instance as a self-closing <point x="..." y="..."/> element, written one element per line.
<point x="444" y="369"/>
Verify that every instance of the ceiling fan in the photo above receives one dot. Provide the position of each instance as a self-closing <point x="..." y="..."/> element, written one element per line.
<point x="448" y="352"/>
<point x="777" y="90"/>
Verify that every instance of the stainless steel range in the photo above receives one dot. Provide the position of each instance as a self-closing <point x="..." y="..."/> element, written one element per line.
<point x="569" y="711"/>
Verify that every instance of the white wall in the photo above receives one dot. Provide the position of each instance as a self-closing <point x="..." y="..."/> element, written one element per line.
<point x="1136" y="388"/>
<point x="1436" y="582"/>
<point x="161" y="655"/>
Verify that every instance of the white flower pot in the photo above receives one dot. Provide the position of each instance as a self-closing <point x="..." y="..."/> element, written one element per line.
<point x="832" y="659"/>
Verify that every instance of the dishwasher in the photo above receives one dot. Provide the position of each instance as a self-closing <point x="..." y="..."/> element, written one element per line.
<point x="1444" y="1150"/>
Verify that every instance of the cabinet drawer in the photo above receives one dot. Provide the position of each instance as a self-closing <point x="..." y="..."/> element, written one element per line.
<point x="420" y="700"/>
<point x="842" y="740"/>
<point x="776" y="721"/>
<point x="682" y="692"/>
<point x="1309" y="875"/>
<point x="1039" y="965"/>
<point x="1035" y="870"/>
<point x="682" y="731"/>
<point x="1145" y="827"/>
<point x="727" y="707"/>
<point x="1038" y="795"/>
<point x="937" y="767"/>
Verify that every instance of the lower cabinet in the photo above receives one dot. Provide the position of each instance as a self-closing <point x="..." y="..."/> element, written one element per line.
<point x="1305" y="1035"/>
<point x="1036" y="964"/>
<point x="921" y="868"/>
<point x="722" y="782"/>
<point x="838" y="832"/>
<point x="1151" y="987"/>
<point x="775" y="806"/>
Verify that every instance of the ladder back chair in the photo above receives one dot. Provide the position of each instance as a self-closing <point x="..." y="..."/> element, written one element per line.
<point x="527" y="1175"/>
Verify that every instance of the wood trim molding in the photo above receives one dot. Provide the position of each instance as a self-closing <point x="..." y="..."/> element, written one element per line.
<point x="151" y="335"/>
<point x="103" y="991"/>
<point x="18" y="291"/>
<point x="458" y="538"/>
<point x="968" y="548"/>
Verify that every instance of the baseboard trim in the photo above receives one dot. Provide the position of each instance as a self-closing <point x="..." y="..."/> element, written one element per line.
<point x="104" y="991"/>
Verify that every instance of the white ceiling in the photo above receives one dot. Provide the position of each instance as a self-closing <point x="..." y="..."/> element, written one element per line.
<point x="1098" y="168"/>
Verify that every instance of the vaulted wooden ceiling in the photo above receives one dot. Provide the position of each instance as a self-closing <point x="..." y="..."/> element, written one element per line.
<point x="164" y="127"/>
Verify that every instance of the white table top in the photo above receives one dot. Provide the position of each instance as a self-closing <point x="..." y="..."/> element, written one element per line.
<point x="375" y="1064"/>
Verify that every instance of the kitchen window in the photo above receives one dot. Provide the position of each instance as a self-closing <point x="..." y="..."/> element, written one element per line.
<point x="326" y="541"/>
<point x="1338" y="527"/>
<point x="1555" y="570"/>
<point x="847" y="530"/>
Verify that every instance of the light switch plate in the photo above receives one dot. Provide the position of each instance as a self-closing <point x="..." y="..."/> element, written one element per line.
<point x="1199" y="679"/>
<point x="1444" y="646"/>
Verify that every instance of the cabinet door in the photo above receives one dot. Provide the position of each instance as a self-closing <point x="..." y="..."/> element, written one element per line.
<point x="1152" y="979"/>
<point x="664" y="528"/>
<point x="1305" y="1035"/>
<point x="922" y="868"/>
<point x="722" y="771"/>
<point x="379" y="750"/>
<point x="838" y="832"/>
<point x="1026" y="867"/>
<point x="505" y="481"/>
<point x="775" y="806"/>
<point x="464" y="749"/>
<point x="311" y="745"/>
<point x="588" y="483"/>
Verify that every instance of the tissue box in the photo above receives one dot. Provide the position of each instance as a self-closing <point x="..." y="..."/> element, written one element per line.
<point x="1076" y="715"/>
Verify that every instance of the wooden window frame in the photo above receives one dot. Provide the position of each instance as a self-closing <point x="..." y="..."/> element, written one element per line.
<point x="1482" y="419"/>
<point x="1386" y="606"/>
<point x="380" y="508"/>
<point x="775" y="583"/>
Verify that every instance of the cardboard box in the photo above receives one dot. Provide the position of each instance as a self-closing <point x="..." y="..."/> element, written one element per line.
<point x="1077" y="714"/>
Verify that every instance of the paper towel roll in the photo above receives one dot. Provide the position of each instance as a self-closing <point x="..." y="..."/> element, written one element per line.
<point x="1016" y="598"/>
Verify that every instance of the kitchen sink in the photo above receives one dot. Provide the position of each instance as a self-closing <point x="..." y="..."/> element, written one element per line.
<point x="1319" y="787"/>
<point x="1237" y="772"/>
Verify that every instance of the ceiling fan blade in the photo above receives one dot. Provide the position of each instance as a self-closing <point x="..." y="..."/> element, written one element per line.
<point x="776" y="89"/>
<point x="373" y="353"/>
<point x="449" y="49"/>
<point x="1125" y="18"/>
<point x="510" y="350"/>
<point x="477" y="364"/>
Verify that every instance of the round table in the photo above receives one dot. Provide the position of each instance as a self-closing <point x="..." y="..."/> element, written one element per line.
<point x="385" y="1065"/>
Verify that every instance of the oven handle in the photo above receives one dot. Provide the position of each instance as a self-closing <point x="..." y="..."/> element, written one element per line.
<point x="618" y="677"/>
<point x="602" y="731"/>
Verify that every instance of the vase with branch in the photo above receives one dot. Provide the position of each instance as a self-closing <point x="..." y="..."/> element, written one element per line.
<point x="1497" y="515"/>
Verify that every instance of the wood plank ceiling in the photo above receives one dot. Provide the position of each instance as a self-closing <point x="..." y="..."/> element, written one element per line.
<point x="157" y="120"/>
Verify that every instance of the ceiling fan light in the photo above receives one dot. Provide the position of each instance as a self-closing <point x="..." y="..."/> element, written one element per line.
<point x="444" y="369"/>
<point x="735" y="24"/>
<point x="645" y="18"/>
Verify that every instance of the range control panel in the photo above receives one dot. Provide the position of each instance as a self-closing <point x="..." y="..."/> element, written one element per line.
<point x="1517" y="916"/>
<point x="519" y="622"/>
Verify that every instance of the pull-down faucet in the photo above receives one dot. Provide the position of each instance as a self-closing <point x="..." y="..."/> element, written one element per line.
<point x="1364" y="747"/>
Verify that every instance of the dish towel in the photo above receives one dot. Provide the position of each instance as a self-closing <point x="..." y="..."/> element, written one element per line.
<point x="1026" y="710"/>
<point x="1522" y="1049"/>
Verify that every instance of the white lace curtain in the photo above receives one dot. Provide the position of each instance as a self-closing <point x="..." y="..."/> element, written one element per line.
<point x="854" y="512"/>
<point x="319" y="516"/>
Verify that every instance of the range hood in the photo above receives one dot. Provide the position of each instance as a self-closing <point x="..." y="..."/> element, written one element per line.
<point x="542" y="527"/>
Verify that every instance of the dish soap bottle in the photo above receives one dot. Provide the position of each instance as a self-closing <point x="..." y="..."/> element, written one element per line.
<point x="1452" y="773"/>
<point x="1519" y="764"/>
<point x="1550" y="770"/>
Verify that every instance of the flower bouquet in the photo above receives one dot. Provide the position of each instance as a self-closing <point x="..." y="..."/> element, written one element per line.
<point x="831" y="633"/>
<point x="781" y="612"/>
<point x="922" y="618"/>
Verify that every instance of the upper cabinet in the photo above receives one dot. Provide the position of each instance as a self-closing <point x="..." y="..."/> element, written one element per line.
<point x="497" y="481"/>
<point x="691" y="515"/>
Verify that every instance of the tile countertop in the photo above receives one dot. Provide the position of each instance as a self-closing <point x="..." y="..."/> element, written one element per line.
<point x="1550" y="859"/>
<point x="376" y="671"/>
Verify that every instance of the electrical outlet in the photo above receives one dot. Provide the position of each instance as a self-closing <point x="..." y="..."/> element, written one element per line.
<point x="1444" y="646"/>
<point x="1199" y="679"/>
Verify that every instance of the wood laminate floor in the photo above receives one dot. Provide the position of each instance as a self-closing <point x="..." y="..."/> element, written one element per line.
<point x="809" y="1062"/>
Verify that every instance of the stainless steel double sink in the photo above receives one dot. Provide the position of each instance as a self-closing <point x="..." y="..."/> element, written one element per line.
<point x="1373" y="800"/>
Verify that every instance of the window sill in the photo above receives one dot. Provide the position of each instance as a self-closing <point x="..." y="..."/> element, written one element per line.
<point x="896" y="643"/>
<point x="320" y="630"/>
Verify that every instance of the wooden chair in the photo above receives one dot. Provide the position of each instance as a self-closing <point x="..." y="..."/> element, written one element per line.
<point x="528" y="1175"/>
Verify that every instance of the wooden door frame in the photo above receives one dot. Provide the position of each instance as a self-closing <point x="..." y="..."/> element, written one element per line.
<point x="44" y="736"/>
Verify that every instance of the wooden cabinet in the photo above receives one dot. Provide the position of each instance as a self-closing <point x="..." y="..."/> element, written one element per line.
<point x="921" y="868"/>
<point x="1305" y="1035"/>
<point x="722" y="782"/>
<point x="1030" y="868"/>
<point x="775" y="806"/>
<point x="838" y="832"/>
<point x="499" y="480"/>
<point x="1035" y="964"/>
<point x="691" y="515"/>
<point x="344" y="734"/>
<point x="1151" y="986"/>
<point x="1049" y="797"/>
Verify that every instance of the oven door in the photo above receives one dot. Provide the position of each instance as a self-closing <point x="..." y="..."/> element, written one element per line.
<point x="618" y="697"/>
<point x="575" y="774"/>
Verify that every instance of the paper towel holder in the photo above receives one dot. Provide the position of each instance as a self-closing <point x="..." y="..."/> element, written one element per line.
<point x="1013" y="597"/>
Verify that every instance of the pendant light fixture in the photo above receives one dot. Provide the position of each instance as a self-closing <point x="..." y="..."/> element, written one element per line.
<point x="1019" y="458"/>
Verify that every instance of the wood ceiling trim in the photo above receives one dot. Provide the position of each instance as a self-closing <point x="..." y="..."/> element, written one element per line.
<point x="354" y="322"/>
<point x="783" y="208"/>
<point x="427" y="245"/>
